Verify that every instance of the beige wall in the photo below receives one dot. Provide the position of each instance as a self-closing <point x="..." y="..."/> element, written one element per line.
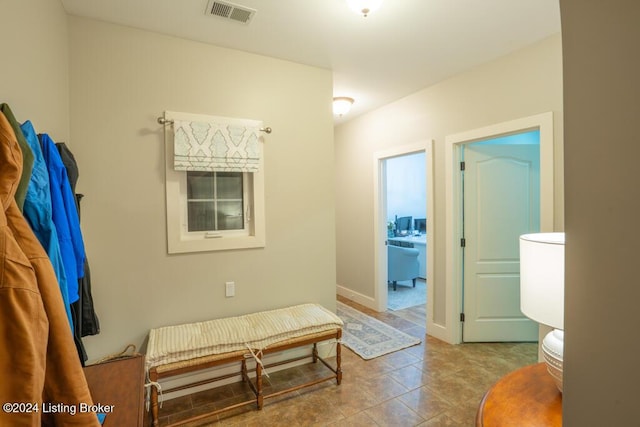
<point x="35" y="65"/>
<point x="602" y="68"/>
<point x="522" y="84"/>
<point x="123" y="79"/>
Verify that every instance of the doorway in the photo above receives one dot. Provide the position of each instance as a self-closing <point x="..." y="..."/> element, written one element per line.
<point x="381" y="219"/>
<point x="451" y="325"/>
<point x="406" y="200"/>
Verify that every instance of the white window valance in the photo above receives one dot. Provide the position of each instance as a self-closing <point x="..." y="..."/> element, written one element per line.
<point x="216" y="144"/>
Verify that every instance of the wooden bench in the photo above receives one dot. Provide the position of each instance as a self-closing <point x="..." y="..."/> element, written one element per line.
<point x="288" y="328"/>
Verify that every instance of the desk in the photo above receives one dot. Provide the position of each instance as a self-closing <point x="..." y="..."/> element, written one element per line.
<point x="527" y="397"/>
<point x="417" y="242"/>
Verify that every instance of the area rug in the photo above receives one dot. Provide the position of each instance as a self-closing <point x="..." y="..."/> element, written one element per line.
<point x="406" y="295"/>
<point x="368" y="337"/>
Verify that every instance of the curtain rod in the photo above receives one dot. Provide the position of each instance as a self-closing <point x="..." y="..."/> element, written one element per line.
<point x="164" y="121"/>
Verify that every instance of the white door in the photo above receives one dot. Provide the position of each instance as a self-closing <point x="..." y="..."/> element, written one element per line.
<point x="501" y="196"/>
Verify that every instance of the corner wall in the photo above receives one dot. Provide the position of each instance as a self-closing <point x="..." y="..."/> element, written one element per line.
<point x="122" y="79"/>
<point x="35" y="64"/>
<point x="602" y="67"/>
<point x="522" y="84"/>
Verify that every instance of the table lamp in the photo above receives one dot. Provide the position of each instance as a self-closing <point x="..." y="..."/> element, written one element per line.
<point x="542" y="292"/>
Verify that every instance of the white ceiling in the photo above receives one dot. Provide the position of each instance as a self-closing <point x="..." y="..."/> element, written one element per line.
<point x="405" y="46"/>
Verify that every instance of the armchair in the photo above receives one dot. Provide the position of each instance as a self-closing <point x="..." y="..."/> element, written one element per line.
<point x="403" y="264"/>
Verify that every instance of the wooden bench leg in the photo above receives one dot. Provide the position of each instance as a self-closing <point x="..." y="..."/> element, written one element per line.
<point x="314" y="353"/>
<point x="259" y="393"/>
<point x="153" y="377"/>
<point x="338" y="360"/>
<point x="243" y="370"/>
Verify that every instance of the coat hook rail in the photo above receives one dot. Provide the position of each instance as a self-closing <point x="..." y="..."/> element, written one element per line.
<point x="163" y="121"/>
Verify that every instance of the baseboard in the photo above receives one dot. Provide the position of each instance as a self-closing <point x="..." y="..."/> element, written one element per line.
<point x="356" y="297"/>
<point x="439" y="331"/>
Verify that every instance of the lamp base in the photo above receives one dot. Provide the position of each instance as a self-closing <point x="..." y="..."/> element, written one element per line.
<point x="552" y="352"/>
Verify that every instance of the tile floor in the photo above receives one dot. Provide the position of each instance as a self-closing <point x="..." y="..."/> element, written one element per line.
<point x="433" y="384"/>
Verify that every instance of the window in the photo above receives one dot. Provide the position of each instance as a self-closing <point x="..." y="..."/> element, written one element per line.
<point x="208" y="211"/>
<point x="215" y="201"/>
<point x="213" y="210"/>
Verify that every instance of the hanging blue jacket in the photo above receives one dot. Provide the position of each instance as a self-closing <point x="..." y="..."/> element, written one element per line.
<point x="37" y="211"/>
<point x="65" y="217"/>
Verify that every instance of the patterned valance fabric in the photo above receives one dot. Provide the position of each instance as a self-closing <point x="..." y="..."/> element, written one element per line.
<point x="218" y="144"/>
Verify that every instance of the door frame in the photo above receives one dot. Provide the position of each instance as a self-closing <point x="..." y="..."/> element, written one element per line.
<point x="452" y="330"/>
<point x="380" y="221"/>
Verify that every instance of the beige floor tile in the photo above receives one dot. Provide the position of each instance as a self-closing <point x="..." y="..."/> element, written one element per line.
<point x="394" y="413"/>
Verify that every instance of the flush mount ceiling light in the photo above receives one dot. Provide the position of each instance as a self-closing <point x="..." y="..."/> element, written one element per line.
<point x="342" y="105"/>
<point x="364" y="7"/>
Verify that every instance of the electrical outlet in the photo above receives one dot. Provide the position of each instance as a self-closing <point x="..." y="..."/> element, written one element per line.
<point x="230" y="289"/>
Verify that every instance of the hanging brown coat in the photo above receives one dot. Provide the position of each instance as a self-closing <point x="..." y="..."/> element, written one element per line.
<point x="38" y="361"/>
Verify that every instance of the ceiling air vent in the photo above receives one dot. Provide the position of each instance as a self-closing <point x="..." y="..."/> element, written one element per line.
<point x="234" y="12"/>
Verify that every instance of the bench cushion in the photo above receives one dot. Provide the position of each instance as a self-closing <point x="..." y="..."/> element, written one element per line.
<point x="257" y="331"/>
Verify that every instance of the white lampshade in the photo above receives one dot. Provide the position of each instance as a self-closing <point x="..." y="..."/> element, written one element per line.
<point x="342" y="105"/>
<point x="364" y="7"/>
<point x="542" y="278"/>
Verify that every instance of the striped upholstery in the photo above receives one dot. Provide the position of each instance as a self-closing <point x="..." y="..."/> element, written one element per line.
<point x="258" y="330"/>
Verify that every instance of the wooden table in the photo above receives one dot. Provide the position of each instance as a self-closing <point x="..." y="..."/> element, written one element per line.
<point x="527" y="397"/>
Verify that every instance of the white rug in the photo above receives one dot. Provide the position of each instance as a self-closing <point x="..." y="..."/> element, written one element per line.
<point x="406" y="295"/>
<point x="369" y="337"/>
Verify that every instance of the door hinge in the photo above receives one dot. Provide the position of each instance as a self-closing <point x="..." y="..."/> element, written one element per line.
<point x="462" y="317"/>
<point x="463" y="242"/>
<point x="462" y="166"/>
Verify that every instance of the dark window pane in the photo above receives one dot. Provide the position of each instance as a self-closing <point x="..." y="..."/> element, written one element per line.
<point x="229" y="185"/>
<point x="215" y="201"/>
<point x="200" y="185"/>
<point x="230" y="216"/>
<point x="201" y="216"/>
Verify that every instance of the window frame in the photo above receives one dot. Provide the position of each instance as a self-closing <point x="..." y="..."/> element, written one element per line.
<point x="179" y="240"/>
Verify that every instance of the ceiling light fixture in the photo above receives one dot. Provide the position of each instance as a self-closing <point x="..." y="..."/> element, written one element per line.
<point x="364" y="7"/>
<point x="342" y="105"/>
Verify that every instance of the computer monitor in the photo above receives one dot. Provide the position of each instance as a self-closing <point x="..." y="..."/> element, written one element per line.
<point x="420" y="224"/>
<point x="403" y="224"/>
